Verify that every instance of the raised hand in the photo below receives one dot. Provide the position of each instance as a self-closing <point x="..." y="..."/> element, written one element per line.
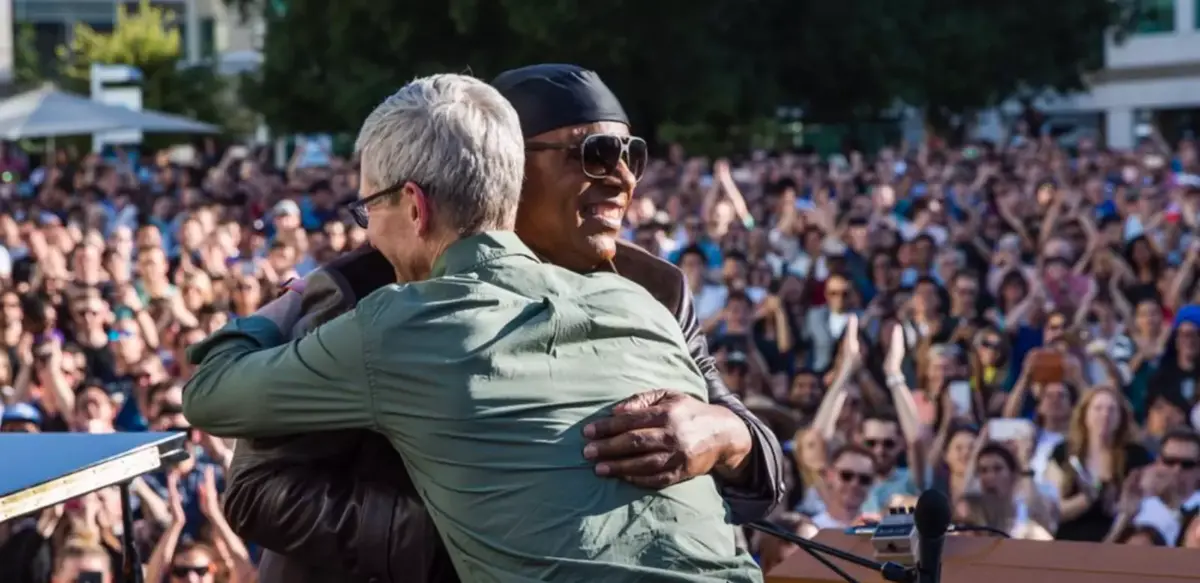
<point x="174" y="500"/>
<point x="210" y="503"/>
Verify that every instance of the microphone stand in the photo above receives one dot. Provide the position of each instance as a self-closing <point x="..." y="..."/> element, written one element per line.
<point x="890" y="571"/>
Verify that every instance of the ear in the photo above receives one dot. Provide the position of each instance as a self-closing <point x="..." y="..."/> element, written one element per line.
<point x="420" y="208"/>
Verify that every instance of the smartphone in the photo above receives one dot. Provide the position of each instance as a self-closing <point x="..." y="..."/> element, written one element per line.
<point x="90" y="577"/>
<point x="1009" y="429"/>
<point x="960" y="395"/>
<point x="1081" y="472"/>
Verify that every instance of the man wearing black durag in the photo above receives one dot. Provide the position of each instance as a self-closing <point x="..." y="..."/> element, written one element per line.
<point x="340" y="507"/>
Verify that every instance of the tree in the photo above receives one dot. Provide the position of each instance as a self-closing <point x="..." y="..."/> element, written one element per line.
<point x="27" y="67"/>
<point x="961" y="56"/>
<point x="714" y="63"/>
<point x="327" y="64"/>
<point x="148" y="40"/>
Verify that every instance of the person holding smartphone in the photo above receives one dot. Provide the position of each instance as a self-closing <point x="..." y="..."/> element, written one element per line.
<point x="1091" y="465"/>
<point x="83" y="562"/>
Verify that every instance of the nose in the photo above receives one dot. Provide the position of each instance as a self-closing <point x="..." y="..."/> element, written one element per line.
<point x="621" y="178"/>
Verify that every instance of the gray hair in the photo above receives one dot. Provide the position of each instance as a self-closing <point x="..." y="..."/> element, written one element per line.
<point x="457" y="138"/>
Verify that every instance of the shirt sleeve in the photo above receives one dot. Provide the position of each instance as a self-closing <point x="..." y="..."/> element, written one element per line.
<point x="247" y="384"/>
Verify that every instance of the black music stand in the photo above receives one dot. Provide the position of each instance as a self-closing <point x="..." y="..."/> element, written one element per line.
<point x="39" y="470"/>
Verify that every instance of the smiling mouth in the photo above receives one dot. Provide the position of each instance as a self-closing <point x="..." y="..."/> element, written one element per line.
<point x="609" y="214"/>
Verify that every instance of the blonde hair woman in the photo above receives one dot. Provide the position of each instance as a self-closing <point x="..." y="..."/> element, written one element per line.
<point x="1090" y="466"/>
<point x="811" y="455"/>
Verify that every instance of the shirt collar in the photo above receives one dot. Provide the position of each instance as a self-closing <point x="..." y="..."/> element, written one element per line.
<point x="464" y="254"/>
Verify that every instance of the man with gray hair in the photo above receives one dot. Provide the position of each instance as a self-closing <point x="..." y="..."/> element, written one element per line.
<point x="483" y="371"/>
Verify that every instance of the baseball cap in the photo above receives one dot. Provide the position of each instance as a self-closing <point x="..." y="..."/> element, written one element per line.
<point x="21" y="413"/>
<point x="286" y="207"/>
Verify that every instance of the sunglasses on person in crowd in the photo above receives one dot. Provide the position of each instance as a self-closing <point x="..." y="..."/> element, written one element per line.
<point x="600" y="154"/>
<point x="850" y="477"/>
<point x="885" y="443"/>
<point x="1181" y="463"/>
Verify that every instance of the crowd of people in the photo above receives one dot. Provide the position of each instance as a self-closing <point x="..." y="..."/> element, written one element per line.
<point x="1013" y="325"/>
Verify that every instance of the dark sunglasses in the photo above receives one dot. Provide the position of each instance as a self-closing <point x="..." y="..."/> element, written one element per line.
<point x="600" y="154"/>
<point x="358" y="207"/>
<point x="1183" y="464"/>
<point x="182" y="571"/>
<point x="850" y="477"/>
<point x="873" y="443"/>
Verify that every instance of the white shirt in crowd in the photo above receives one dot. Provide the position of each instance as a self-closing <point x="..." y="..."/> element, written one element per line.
<point x="824" y="520"/>
<point x="1046" y="442"/>
<point x="710" y="300"/>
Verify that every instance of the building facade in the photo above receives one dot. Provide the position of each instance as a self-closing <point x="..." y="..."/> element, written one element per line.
<point x="1152" y="77"/>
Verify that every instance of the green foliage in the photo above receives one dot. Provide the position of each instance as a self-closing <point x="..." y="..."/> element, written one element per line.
<point x="975" y="53"/>
<point x="27" y="67"/>
<point x="684" y="63"/>
<point x="329" y="63"/>
<point x="148" y="40"/>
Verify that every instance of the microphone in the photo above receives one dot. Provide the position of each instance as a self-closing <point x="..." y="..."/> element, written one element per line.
<point x="890" y="571"/>
<point x="932" y="518"/>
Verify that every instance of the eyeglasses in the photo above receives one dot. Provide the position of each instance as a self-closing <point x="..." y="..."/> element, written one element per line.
<point x="600" y="154"/>
<point x="885" y="443"/>
<point x="182" y="571"/>
<point x="1181" y="463"/>
<point x="358" y="207"/>
<point x="850" y="477"/>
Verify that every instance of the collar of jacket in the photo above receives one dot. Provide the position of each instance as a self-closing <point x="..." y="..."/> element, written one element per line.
<point x="465" y="254"/>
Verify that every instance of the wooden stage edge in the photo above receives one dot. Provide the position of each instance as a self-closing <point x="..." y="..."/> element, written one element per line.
<point x="980" y="559"/>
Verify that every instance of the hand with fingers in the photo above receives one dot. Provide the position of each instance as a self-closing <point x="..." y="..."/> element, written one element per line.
<point x="660" y="437"/>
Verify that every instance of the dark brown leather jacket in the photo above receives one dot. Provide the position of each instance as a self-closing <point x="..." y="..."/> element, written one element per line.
<point x="340" y="507"/>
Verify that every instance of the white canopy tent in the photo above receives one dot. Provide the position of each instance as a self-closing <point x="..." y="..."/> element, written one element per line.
<point x="50" y="113"/>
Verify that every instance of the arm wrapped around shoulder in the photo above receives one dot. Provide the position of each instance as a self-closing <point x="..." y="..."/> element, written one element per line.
<point x="363" y="270"/>
<point x="337" y="286"/>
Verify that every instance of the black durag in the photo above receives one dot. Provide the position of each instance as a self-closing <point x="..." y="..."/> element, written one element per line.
<point x="552" y="96"/>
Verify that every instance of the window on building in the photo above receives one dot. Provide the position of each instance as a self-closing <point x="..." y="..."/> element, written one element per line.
<point x="1155" y="16"/>
<point x="208" y="37"/>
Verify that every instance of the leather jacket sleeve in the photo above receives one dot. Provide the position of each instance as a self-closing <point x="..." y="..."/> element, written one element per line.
<point x="334" y="498"/>
<point x="293" y="495"/>
<point x="763" y="491"/>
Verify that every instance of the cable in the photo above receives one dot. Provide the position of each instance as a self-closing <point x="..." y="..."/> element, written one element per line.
<point x="974" y="528"/>
<point x="890" y="571"/>
<point x="785" y="535"/>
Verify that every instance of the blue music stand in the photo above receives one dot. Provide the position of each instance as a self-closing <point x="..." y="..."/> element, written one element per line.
<point x="39" y="470"/>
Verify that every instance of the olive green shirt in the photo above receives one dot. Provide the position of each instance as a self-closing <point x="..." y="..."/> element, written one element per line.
<point x="483" y="378"/>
